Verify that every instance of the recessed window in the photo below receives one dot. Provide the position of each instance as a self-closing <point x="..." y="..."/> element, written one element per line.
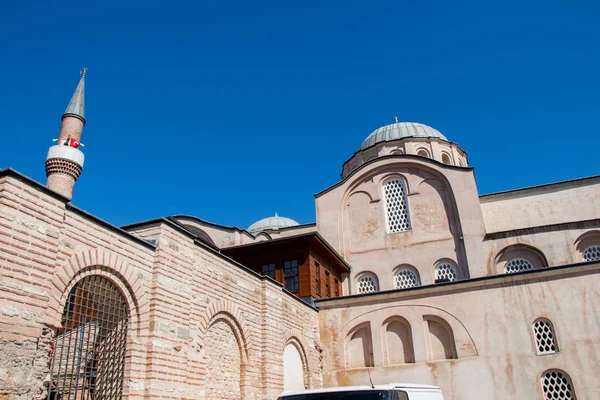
<point x="290" y="272"/>
<point x="396" y="206"/>
<point x="445" y="272"/>
<point x="327" y="287"/>
<point x="591" y="253"/>
<point x="336" y="287"/>
<point x="423" y="153"/>
<point x="545" y="339"/>
<point x="517" y="265"/>
<point x="446" y="159"/>
<point x="557" y="385"/>
<point x="405" y="278"/>
<point x="269" y="270"/>
<point x="318" y="277"/>
<point x="367" y="284"/>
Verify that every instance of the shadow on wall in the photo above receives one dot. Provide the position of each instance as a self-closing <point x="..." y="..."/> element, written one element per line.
<point x="439" y="339"/>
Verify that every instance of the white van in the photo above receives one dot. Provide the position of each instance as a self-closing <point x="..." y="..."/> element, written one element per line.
<point x="393" y="391"/>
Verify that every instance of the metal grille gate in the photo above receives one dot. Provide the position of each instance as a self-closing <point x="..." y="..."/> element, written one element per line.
<point x="89" y="349"/>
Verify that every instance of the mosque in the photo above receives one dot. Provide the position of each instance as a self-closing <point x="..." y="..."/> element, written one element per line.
<point x="408" y="274"/>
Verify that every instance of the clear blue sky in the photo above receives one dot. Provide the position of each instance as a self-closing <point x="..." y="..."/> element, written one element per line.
<point x="232" y="111"/>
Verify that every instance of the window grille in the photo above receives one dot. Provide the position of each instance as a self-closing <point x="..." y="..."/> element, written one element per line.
<point x="545" y="339"/>
<point x="88" y="360"/>
<point x="269" y="270"/>
<point x="557" y="385"/>
<point x="367" y="284"/>
<point x="591" y="253"/>
<point x="445" y="272"/>
<point x="405" y="278"/>
<point x="290" y="270"/>
<point x="517" y="265"/>
<point x="396" y="206"/>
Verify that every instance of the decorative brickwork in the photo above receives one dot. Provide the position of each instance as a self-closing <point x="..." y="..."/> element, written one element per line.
<point x="62" y="166"/>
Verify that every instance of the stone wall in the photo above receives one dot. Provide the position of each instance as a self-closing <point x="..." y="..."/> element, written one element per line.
<point x="180" y="294"/>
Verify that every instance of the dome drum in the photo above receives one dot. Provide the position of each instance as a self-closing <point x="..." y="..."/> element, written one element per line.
<point x="407" y="138"/>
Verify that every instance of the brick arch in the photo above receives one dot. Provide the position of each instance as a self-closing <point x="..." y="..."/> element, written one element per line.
<point x="97" y="262"/>
<point x="230" y="313"/>
<point x="292" y="336"/>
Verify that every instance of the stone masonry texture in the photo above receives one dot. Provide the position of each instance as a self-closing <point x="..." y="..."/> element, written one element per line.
<point x="198" y="321"/>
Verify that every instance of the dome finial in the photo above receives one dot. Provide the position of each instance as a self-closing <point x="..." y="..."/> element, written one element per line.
<point x="396" y="118"/>
<point x="276" y="215"/>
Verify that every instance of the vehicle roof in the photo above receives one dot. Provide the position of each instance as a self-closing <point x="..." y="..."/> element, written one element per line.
<point x="364" y="387"/>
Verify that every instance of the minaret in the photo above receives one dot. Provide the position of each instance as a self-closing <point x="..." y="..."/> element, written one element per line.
<point x="65" y="161"/>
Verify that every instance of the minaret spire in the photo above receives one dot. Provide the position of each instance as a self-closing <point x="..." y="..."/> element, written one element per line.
<point x="65" y="161"/>
<point x="76" y="106"/>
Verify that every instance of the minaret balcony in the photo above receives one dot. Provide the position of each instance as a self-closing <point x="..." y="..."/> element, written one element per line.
<point x="66" y="153"/>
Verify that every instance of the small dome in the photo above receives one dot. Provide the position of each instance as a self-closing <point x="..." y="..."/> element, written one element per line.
<point x="275" y="222"/>
<point x="401" y="130"/>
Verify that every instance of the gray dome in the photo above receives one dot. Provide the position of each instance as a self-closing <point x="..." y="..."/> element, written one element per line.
<point x="275" y="222"/>
<point x="401" y="130"/>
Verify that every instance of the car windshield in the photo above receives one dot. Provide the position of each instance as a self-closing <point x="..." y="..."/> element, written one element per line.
<point x="349" y="395"/>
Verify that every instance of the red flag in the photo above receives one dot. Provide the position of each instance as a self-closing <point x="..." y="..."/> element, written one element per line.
<point x="73" y="143"/>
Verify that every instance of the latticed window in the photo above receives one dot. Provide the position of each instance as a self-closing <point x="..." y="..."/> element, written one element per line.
<point x="545" y="339"/>
<point x="396" y="206"/>
<point x="367" y="284"/>
<point x="445" y="272"/>
<point x="290" y="272"/>
<point x="557" y="385"/>
<point x="517" y="265"/>
<point x="88" y="359"/>
<point x="591" y="253"/>
<point x="405" y="278"/>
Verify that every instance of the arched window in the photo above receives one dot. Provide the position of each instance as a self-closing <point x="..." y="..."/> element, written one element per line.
<point x="396" y="205"/>
<point x="445" y="272"/>
<point x="519" y="258"/>
<point x="587" y="246"/>
<point x="557" y="385"/>
<point x="591" y="253"/>
<point x="446" y="159"/>
<point x="517" y="265"/>
<point x="405" y="278"/>
<point x="423" y="153"/>
<point x="89" y="348"/>
<point x="545" y="338"/>
<point x="367" y="283"/>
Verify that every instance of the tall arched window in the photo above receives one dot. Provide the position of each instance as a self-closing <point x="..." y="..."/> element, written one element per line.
<point x="445" y="272"/>
<point x="557" y="385"/>
<point x="396" y="205"/>
<point x="89" y="348"/>
<point x="405" y="278"/>
<point x="545" y="338"/>
<point x="367" y="283"/>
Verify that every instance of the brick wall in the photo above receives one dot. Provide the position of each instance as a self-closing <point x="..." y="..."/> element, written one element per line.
<point x="180" y="295"/>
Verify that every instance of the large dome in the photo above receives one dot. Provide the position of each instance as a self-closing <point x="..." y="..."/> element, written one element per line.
<point x="401" y="130"/>
<point x="275" y="222"/>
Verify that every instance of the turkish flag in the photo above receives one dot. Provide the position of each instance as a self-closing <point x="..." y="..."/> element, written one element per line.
<point x="73" y="143"/>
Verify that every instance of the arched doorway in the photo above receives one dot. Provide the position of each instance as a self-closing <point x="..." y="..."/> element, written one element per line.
<point x="293" y="369"/>
<point x="88" y="359"/>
